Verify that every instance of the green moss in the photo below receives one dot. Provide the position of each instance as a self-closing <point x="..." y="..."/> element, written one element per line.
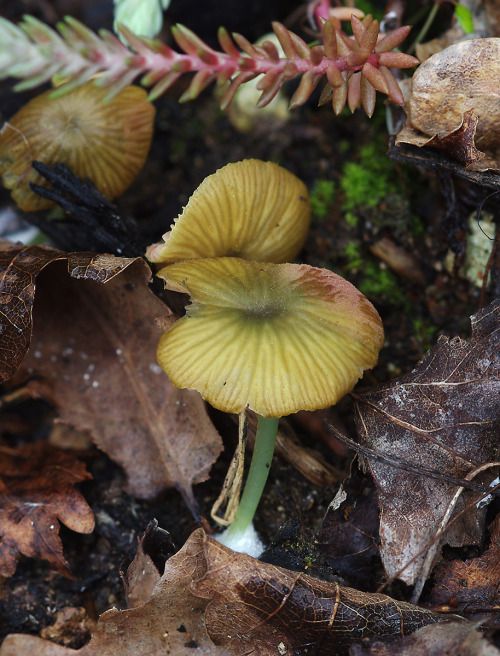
<point x="366" y="182"/>
<point x="425" y="334"/>
<point x="370" y="8"/>
<point x="322" y="198"/>
<point x="351" y="219"/>
<point x="381" y="285"/>
<point x="352" y="254"/>
<point x="417" y="226"/>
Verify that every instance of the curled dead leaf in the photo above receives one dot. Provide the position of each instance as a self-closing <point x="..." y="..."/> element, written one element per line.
<point x="449" y="89"/>
<point x="259" y="608"/>
<point x="222" y="602"/>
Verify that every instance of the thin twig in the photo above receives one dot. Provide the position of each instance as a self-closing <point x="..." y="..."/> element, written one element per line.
<point x="398" y="464"/>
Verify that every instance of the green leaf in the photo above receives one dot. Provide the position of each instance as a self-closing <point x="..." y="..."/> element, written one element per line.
<point x="464" y="17"/>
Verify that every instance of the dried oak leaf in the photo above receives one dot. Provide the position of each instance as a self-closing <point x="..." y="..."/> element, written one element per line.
<point x="459" y="639"/>
<point x="471" y="585"/>
<point x="93" y="354"/>
<point x="258" y="608"/>
<point x="443" y="416"/>
<point x="458" y="143"/>
<point x="36" y="493"/>
<point x="170" y="622"/>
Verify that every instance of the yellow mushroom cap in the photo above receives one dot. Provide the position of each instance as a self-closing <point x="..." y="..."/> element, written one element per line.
<point x="107" y="142"/>
<point x="276" y="338"/>
<point x="251" y="209"/>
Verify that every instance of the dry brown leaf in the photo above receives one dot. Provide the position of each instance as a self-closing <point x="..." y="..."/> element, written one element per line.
<point x="36" y="493"/>
<point x="458" y="144"/>
<point x="170" y="622"/>
<point x="444" y="416"/>
<point x="93" y="352"/>
<point x="19" y="267"/>
<point x="71" y="625"/>
<point x="457" y="639"/>
<point x="144" y="572"/>
<point x="258" y="608"/>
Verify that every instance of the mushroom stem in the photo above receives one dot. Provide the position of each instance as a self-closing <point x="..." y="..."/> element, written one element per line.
<point x="265" y="439"/>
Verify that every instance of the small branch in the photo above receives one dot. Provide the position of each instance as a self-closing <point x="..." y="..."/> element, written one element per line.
<point x="405" y="466"/>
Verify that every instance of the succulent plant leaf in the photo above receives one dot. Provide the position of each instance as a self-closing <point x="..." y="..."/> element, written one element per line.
<point x="397" y="60"/>
<point x="334" y="76"/>
<point x="76" y="53"/>
<point x="226" y="43"/>
<point x="370" y="35"/>
<point x="339" y="97"/>
<point x="329" y="40"/>
<point x="251" y="209"/>
<point x="285" y="39"/>
<point x="368" y="96"/>
<point x="354" y="92"/>
<point x="392" y="39"/>
<point x="375" y="77"/>
<point x="276" y="338"/>
<point x="395" y="93"/>
<point x="357" y="29"/>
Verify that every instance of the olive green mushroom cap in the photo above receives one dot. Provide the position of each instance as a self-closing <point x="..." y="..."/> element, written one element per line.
<point x="250" y="209"/>
<point x="107" y="142"/>
<point x="276" y="338"/>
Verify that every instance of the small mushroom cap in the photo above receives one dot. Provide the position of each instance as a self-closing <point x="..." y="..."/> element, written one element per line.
<point x="251" y="209"/>
<point x="276" y="338"/>
<point x="107" y="142"/>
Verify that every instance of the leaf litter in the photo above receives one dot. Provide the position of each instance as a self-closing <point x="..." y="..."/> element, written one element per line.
<point x="444" y="416"/>
<point x="93" y="354"/>
<point x="222" y="602"/>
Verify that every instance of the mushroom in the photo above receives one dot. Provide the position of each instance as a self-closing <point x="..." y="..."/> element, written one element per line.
<point x="251" y="209"/>
<point x="275" y="338"/>
<point x="106" y="141"/>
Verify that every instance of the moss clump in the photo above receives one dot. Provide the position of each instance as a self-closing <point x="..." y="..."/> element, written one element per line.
<point x="383" y="286"/>
<point x="352" y="253"/>
<point x="379" y="284"/>
<point x="322" y="197"/>
<point x="425" y="333"/>
<point x="367" y="182"/>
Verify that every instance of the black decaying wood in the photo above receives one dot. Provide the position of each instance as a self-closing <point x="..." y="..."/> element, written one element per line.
<point x="93" y="222"/>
